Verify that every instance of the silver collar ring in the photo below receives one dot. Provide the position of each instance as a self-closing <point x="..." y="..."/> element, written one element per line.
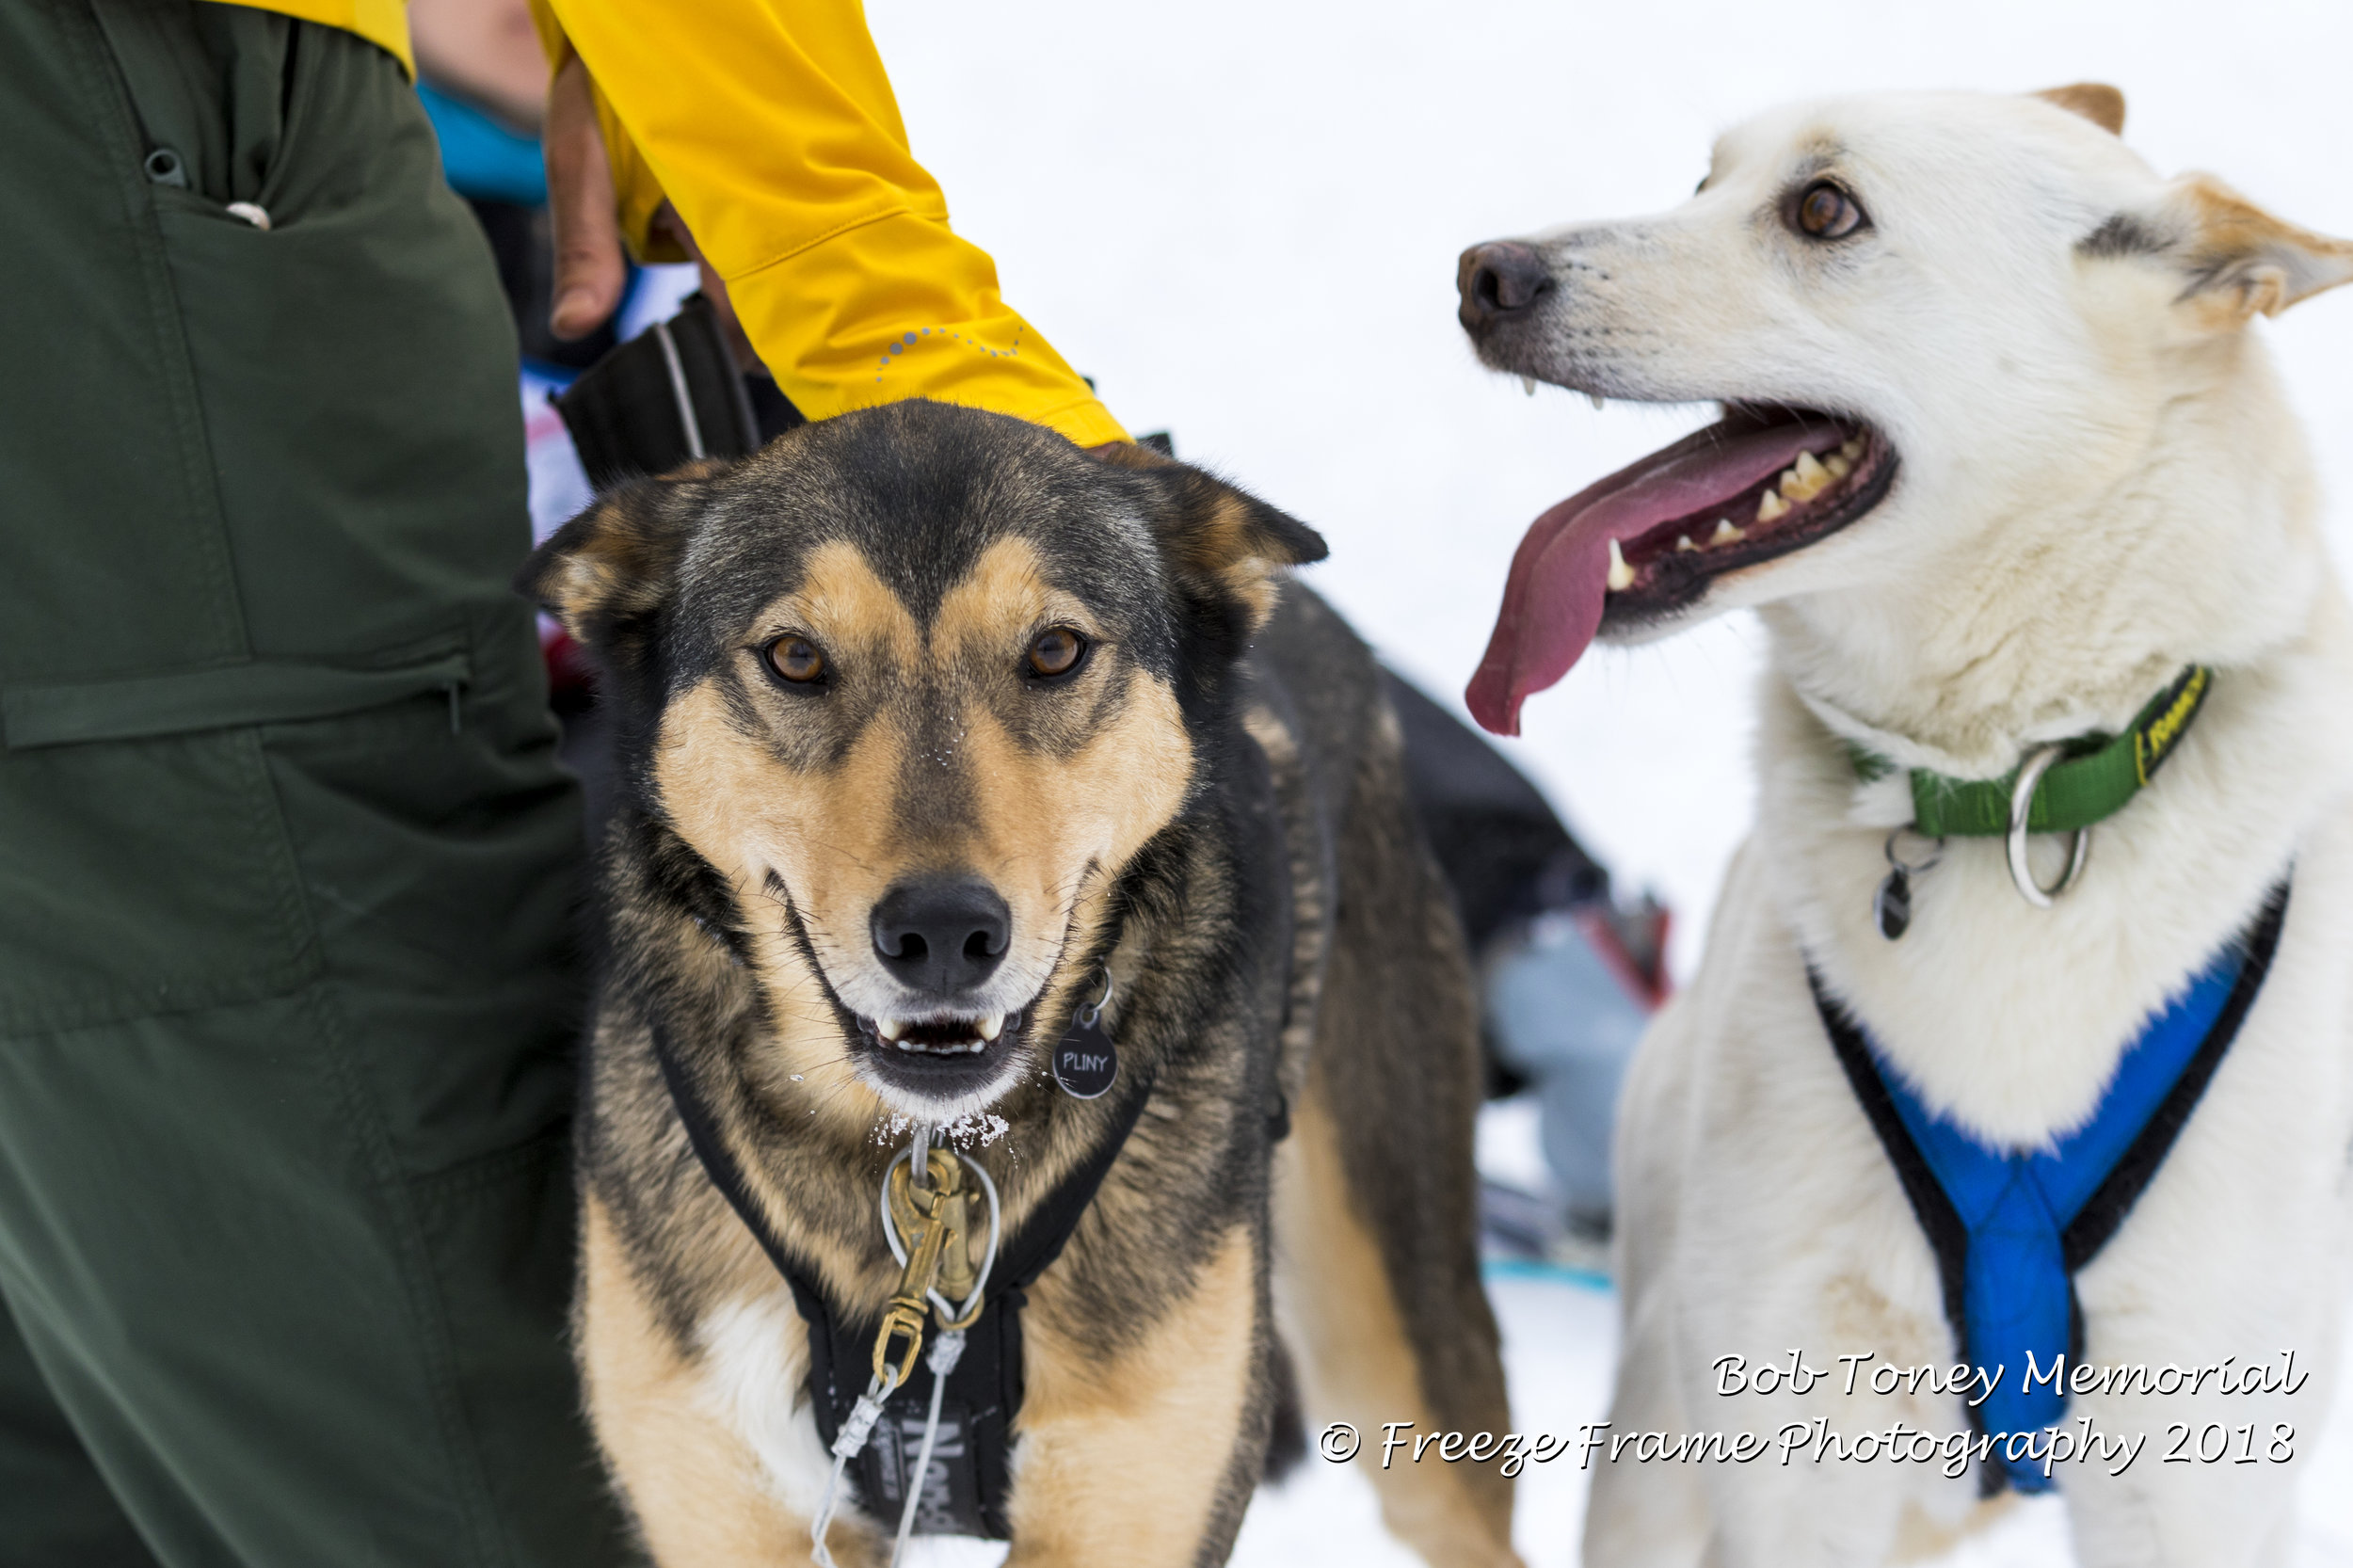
<point x="2021" y="805"/>
<point x="1094" y="1010"/>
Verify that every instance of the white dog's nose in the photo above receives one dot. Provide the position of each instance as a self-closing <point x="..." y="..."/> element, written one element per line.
<point x="1497" y="280"/>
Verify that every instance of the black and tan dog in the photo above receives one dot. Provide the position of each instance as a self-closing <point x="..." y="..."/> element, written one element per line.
<point x="932" y="727"/>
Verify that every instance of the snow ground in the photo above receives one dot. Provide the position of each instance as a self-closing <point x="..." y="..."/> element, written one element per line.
<point x="1241" y="217"/>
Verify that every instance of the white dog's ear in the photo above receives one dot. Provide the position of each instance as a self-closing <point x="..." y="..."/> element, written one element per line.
<point x="2240" y="259"/>
<point x="2096" y="101"/>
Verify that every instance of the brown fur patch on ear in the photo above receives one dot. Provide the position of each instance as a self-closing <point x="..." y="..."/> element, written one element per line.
<point x="614" y="558"/>
<point x="2096" y="101"/>
<point x="1131" y="454"/>
<point x="1227" y="542"/>
<point x="2243" y="259"/>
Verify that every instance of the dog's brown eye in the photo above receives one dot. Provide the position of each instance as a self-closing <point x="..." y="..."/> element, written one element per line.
<point x="1056" y="652"/>
<point x="795" y="658"/>
<point x="1827" y="213"/>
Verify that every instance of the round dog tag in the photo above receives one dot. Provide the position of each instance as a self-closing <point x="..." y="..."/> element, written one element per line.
<point x="1085" y="1061"/>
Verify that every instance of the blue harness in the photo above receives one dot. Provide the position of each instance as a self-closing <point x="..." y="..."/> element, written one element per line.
<point x="2011" y="1227"/>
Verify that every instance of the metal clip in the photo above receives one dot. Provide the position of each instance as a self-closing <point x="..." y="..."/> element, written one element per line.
<point x="944" y="1200"/>
<point x="900" y="1319"/>
<point x="934" y="1220"/>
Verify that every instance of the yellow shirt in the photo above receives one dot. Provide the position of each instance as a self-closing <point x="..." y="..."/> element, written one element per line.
<point x="383" y="23"/>
<point x="771" y="126"/>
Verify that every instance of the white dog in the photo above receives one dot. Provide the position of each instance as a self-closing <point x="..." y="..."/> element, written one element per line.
<point x="2009" y="475"/>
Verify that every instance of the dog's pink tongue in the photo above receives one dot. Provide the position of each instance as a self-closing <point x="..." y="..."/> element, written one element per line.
<point x="1552" y="601"/>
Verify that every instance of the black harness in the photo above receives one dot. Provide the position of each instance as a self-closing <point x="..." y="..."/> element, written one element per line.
<point x="968" y="1476"/>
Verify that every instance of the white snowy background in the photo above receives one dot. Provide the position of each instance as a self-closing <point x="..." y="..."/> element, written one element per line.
<point x="1241" y="217"/>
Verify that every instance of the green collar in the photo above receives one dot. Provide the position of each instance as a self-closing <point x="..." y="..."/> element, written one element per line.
<point x="2097" y="777"/>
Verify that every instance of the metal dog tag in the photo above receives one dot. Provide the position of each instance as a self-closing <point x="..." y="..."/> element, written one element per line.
<point x="1892" y="906"/>
<point x="1087" y="1063"/>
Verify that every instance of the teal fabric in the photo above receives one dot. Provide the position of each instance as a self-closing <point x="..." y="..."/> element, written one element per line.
<point x="287" y="865"/>
<point x="483" y="159"/>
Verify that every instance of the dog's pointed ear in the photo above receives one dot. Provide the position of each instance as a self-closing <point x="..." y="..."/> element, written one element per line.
<point x="1222" y="543"/>
<point x="616" y="561"/>
<point x="2241" y="260"/>
<point x="2096" y="101"/>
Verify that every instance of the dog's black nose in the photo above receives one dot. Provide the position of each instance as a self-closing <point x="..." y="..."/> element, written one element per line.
<point x="941" y="935"/>
<point x="1499" y="278"/>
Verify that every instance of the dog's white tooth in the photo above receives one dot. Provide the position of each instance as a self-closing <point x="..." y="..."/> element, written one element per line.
<point x="1597" y="400"/>
<point x="1837" y="466"/>
<point x="1684" y="545"/>
<point x="891" y="1028"/>
<point x="1852" y="449"/>
<point x="1528" y="385"/>
<point x="1771" y="507"/>
<point x="1726" y="534"/>
<point x="1806" y="479"/>
<point x="1621" y="575"/>
<point x="992" y="1026"/>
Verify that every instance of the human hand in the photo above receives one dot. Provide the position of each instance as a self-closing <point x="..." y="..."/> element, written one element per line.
<point x="590" y="270"/>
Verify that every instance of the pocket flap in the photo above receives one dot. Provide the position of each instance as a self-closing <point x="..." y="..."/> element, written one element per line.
<point x="258" y="691"/>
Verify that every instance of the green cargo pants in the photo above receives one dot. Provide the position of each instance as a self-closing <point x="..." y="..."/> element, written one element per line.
<point x="286" y="860"/>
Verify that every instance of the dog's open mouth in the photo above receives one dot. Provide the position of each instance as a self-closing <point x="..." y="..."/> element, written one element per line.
<point x="946" y="1055"/>
<point x="1646" y="541"/>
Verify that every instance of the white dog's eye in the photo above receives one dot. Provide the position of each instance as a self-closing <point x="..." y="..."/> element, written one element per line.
<point x="1825" y="211"/>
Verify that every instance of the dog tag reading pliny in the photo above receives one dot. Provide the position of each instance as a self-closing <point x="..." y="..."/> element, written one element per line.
<point x="1085" y="1061"/>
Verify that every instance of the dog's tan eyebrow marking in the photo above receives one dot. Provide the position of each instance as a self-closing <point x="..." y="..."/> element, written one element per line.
<point x="843" y="600"/>
<point x="1005" y="590"/>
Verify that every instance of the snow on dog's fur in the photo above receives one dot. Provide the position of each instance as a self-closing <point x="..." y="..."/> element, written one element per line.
<point x="2064" y="471"/>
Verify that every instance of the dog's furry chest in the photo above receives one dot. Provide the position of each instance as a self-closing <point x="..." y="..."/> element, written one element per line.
<point x="1775" y="1218"/>
<point x="2011" y="1019"/>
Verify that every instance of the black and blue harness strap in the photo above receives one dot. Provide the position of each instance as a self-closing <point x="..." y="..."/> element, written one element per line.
<point x="2010" y="1227"/>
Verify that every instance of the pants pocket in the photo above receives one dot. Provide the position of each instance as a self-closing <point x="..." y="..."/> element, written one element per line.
<point x="144" y="876"/>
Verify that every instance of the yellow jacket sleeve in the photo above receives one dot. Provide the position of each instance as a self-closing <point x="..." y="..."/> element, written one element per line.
<point x="383" y="23"/>
<point x="772" y="127"/>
